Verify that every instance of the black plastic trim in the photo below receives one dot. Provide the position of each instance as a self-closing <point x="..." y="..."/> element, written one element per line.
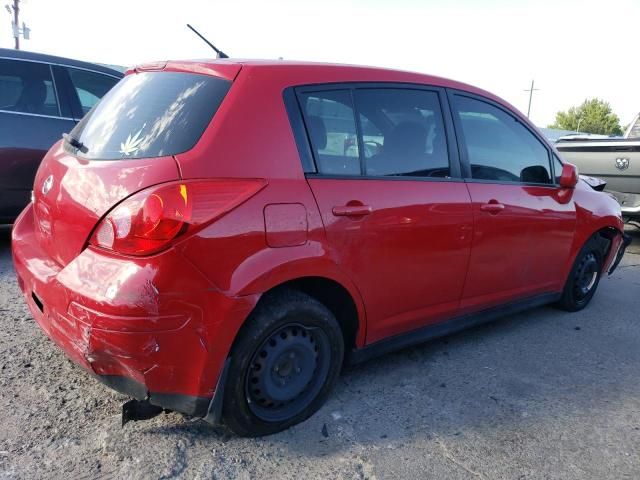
<point x="214" y="411"/>
<point x="187" y="404"/>
<point x="400" y="178"/>
<point x="124" y="385"/>
<point x="599" y="148"/>
<point x="299" y="131"/>
<point x="555" y="186"/>
<point x="626" y="241"/>
<point x="454" y="325"/>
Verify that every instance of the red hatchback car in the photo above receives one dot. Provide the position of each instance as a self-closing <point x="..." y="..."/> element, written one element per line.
<point x="218" y="237"/>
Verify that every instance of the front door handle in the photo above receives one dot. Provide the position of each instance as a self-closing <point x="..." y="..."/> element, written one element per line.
<point x="493" y="207"/>
<point x="352" y="210"/>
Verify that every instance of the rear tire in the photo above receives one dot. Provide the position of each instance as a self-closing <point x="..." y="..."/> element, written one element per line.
<point x="584" y="277"/>
<point x="284" y="364"/>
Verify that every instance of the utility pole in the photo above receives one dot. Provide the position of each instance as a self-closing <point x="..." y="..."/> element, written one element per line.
<point x="16" y="14"/>
<point x="530" y="90"/>
<point x="15" y="26"/>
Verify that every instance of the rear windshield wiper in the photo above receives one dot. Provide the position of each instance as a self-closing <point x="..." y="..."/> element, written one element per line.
<point x="74" y="142"/>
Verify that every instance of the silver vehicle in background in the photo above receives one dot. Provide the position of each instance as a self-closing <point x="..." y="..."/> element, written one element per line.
<point x="614" y="160"/>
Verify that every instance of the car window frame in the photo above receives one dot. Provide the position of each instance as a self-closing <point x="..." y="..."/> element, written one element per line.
<point x="462" y="149"/>
<point x="74" y="98"/>
<point x="53" y="86"/>
<point x="293" y="105"/>
<point x="64" y="94"/>
<point x="58" y="88"/>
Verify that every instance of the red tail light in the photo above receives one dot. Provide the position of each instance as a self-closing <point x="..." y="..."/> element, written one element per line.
<point x="152" y="219"/>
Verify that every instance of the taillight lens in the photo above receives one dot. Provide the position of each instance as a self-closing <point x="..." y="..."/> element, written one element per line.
<point x="152" y="219"/>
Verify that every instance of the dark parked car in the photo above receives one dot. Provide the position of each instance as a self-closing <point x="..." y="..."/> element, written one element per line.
<point x="41" y="97"/>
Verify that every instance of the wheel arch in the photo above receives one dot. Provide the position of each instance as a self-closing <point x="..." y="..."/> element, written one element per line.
<point x="605" y="231"/>
<point x="322" y="279"/>
<point x="335" y="297"/>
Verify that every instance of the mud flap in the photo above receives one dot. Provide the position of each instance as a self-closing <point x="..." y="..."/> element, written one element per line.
<point x="626" y="240"/>
<point x="214" y="413"/>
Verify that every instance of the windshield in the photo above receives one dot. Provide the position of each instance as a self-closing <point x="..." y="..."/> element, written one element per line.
<point x="150" y="114"/>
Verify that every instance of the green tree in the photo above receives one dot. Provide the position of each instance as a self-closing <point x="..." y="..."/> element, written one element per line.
<point x="593" y="116"/>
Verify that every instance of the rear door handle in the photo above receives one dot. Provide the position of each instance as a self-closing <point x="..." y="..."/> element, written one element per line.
<point x="493" y="207"/>
<point x="352" y="211"/>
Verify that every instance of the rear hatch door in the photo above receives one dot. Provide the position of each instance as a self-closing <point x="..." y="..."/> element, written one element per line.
<point x="126" y="143"/>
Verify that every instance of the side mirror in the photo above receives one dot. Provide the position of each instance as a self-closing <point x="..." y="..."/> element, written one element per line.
<point x="569" y="177"/>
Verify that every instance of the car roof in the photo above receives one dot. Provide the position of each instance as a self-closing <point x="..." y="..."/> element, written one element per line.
<point x="294" y="72"/>
<point x="42" y="57"/>
<point x="228" y="67"/>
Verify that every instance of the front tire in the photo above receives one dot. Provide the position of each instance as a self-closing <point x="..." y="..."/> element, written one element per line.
<point x="284" y="364"/>
<point x="584" y="277"/>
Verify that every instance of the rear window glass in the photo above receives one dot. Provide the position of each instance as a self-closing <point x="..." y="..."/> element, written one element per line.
<point x="150" y="114"/>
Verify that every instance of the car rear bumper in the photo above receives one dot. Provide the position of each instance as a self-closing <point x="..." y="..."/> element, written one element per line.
<point x="151" y="328"/>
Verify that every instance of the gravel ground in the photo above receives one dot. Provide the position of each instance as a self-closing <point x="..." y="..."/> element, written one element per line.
<point x="543" y="394"/>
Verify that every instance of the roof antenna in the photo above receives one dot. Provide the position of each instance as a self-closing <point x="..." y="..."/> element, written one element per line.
<point x="220" y="53"/>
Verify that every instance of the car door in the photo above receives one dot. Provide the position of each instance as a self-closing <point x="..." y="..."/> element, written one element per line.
<point x="523" y="224"/>
<point x="31" y="120"/>
<point x="396" y="213"/>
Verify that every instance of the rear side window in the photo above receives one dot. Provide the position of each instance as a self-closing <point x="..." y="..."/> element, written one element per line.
<point x="90" y="87"/>
<point x="150" y="114"/>
<point x="402" y="132"/>
<point x="27" y="87"/>
<point x="499" y="147"/>
<point x="331" y="126"/>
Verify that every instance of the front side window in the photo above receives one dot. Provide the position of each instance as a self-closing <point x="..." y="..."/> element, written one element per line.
<point x="402" y="132"/>
<point x="90" y="87"/>
<point x="27" y="87"/>
<point x="150" y="114"/>
<point x="499" y="148"/>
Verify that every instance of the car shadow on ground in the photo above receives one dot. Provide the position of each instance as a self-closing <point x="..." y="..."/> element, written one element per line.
<point x="533" y="371"/>
<point x="5" y="236"/>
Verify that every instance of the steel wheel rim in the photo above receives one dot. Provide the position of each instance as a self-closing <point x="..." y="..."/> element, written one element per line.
<point x="287" y="372"/>
<point x="586" y="276"/>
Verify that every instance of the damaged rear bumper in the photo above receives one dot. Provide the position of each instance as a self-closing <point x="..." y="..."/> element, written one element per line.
<point x="154" y="329"/>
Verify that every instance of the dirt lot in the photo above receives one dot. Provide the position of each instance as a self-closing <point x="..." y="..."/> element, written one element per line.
<point x="543" y="394"/>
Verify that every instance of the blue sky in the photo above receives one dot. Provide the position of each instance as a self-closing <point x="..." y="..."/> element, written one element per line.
<point x="573" y="49"/>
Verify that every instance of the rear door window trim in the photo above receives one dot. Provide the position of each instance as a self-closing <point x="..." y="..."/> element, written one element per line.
<point x="37" y="115"/>
<point x="303" y="142"/>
